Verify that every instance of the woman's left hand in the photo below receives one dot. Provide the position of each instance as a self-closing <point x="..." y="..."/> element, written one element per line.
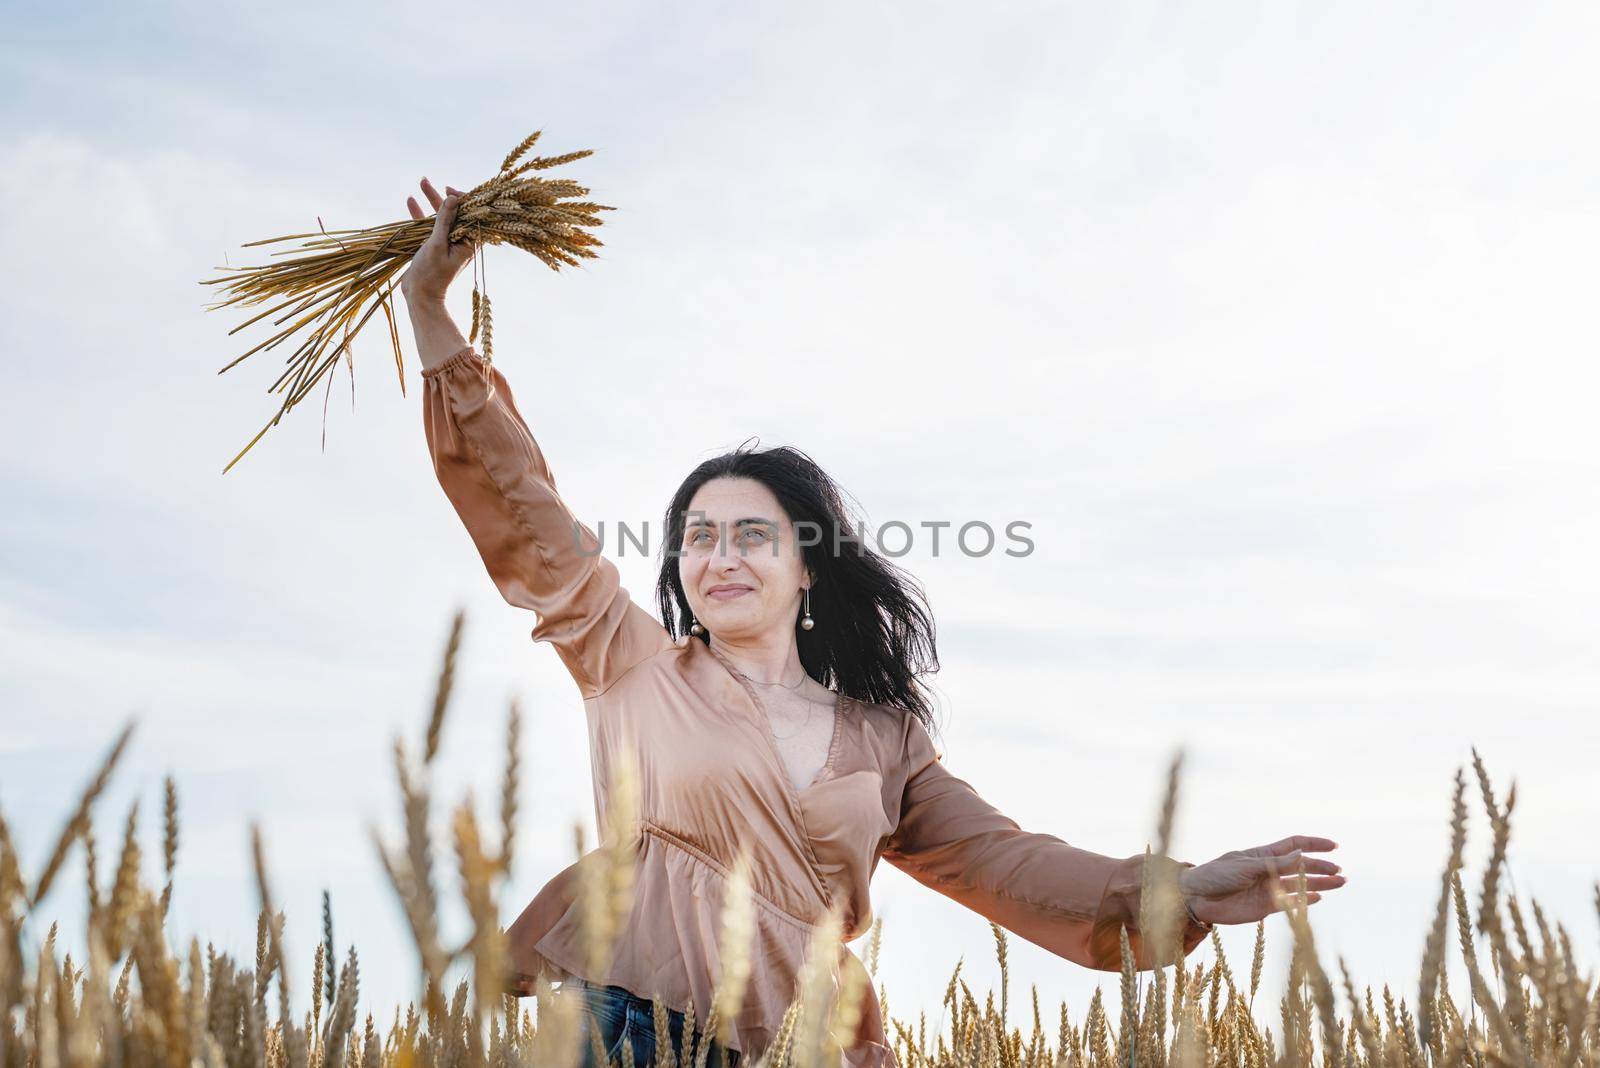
<point x="1238" y="887"/>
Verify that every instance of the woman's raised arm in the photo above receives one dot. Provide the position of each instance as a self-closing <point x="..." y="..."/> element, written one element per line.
<point x="537" y="553"/>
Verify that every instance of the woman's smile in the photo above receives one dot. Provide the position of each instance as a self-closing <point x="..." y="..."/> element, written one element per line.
<point x="727" y="593"/>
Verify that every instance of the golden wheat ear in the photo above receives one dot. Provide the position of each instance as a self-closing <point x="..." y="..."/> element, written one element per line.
<point x="322" y="295"/>
<point x="1528" y="1006"/>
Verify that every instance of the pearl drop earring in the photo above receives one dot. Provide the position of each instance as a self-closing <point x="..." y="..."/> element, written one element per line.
<point x="694" y="626"/>
<point x="806" y="622"/>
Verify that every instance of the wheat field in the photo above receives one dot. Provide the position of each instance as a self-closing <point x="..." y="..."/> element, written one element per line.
<point x="144" y="997"/>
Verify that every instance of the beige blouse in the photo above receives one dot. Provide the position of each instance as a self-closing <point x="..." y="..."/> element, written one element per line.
<point x="712" y="779"/>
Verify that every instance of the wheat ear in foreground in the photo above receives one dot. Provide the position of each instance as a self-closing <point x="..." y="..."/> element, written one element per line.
<point x="337" y="279"/>
<point x="128" y="999"/>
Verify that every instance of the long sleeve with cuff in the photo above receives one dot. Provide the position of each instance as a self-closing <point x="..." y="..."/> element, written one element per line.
<point x="538" y="554"/>
<point x="1067" y="900"/>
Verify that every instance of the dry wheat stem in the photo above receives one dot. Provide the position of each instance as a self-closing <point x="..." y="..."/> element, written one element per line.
<point x="337" y="279"/>
<point x="131" y="1004"/>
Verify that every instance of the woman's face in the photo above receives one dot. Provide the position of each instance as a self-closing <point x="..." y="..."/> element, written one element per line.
<point x="736" y="536"/>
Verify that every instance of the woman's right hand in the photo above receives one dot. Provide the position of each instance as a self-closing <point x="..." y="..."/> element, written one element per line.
<point x="438" y="261"/>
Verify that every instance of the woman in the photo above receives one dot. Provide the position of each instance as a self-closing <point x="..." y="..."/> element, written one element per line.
<point x="786" y="722"/>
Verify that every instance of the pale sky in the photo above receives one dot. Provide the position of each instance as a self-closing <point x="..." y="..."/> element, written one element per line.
<point x="1275" y="321"/>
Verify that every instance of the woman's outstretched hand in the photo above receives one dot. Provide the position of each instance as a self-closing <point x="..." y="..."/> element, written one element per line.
<point x="438" y="261"/>
<point x="1238" y="887"/>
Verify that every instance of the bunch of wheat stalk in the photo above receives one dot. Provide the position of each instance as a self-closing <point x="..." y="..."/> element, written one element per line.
<point x="136" y="1003"/>
<point x="339" y="278"/>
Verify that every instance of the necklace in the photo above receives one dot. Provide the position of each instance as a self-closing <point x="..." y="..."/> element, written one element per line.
<point x="785" y="685"/>
<point x="810" y="711"/>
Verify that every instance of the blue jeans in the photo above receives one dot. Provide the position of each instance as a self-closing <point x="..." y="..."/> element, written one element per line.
<point x="621" y="1016"/>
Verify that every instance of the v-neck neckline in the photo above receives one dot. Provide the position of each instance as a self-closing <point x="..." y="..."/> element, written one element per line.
<point x="825" y="772"/>
<point x="796" y="808"/>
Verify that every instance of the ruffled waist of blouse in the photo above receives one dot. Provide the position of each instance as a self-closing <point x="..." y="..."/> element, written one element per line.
<point x="670" y="948"/>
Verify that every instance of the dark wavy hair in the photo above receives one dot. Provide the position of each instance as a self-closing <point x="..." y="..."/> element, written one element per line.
<point x="873" y="633"/>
